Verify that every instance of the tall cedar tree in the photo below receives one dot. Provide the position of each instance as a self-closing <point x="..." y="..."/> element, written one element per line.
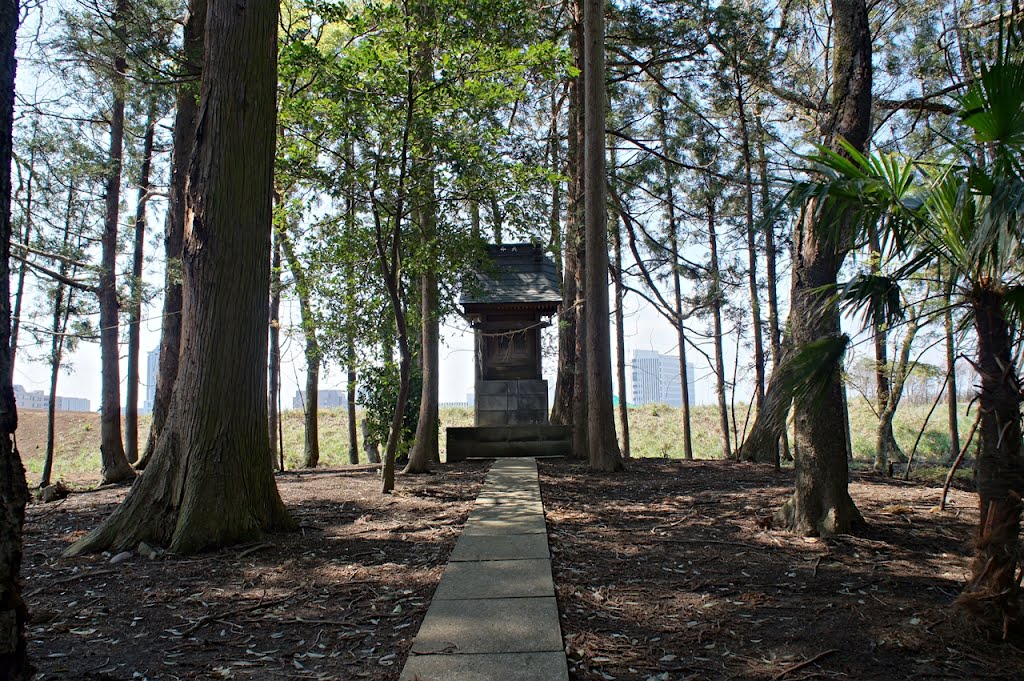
<point x="14" y="664"/>
<point x="114" y="464"/>
<point x="186" y="106"/>
<point x="601" y="442"/>
<point x="210" y="482"/>
<point x="821" y="504"/>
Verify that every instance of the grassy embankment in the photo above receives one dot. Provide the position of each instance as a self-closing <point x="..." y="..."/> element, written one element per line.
<point x="656" y="431"/>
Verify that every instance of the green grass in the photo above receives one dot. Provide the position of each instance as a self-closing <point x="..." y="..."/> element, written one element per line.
<point x="655" y="431"/>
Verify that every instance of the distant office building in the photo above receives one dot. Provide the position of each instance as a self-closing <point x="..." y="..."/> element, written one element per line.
<point x="325" y="399"/>
<point x="37" y="399"/>
<point x="656" y="379"/>
<point x="152" y="371"/>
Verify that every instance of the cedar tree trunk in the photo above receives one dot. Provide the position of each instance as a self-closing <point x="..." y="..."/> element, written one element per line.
<point x="174" y="229"/>
<point x="716" y="317"/>
<point x="311" y="448"/>
<point x="113" y="463"/>
<point x="209" y="483"/>
<point x="14" y="664"/>
<point x="131" y="407"/>
<point x="562" y="408"/>
<point x="601" y="442"/>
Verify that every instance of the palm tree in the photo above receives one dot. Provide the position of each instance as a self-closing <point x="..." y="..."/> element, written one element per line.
<point x="965" y="213"/>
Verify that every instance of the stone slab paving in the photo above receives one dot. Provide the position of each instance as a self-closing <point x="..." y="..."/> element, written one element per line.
<point x="494" y="616"/>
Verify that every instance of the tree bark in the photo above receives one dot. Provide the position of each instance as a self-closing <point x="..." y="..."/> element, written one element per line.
<point x="26" y="236"/>
<point x="677" y="281"/>
<point x="425" y="448"/>
<point x="566" y="390"/>
<point x="821" y="504"/>
<point x="954" y="425"/>
<point x="274" y="359"/>
<point x="716" y="318"/>
<point x="993" y="594"/>
<point x="755" y="295"/>
<point x="886" y="447"/>
<point x="311" y="446"/>
<point x="603" y="446"/>
<point x="350" y="385"/>
<point x="620" y="331"/>
<point x="114" y="465"/>
<point x="184" y="136"/>
<point x="131" y="407"/>
<point x="13" y="489"/>
<point x="58" y="328"/>
<point x="209" y="483"/>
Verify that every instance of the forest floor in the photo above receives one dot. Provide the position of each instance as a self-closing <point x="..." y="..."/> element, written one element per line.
<point x="669" y="572"/>
<point x="663" y="573"/>
<point x="341" y="599"/>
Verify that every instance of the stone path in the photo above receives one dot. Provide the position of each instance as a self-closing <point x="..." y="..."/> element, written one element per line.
<point x="494" y="615"/>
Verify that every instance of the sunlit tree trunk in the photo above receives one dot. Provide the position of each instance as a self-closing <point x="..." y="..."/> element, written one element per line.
<point x="131" y="407"/>
<point x="620" y="344"/>
<point x="601" y="442"/>
<point x="755" y="294"/>
<point x="114" y="465"/>
<point x="186" y="108"/>
<point x="274" y="360"/>
<point x="821" y="504"/>
<point x="566" y="390"/>
<point x="58" y="329"/>
<point x="716" y="319"/>
<point x="210" y="483"/>
<point x="954" y="426"/>
<point x="311" y="447"/>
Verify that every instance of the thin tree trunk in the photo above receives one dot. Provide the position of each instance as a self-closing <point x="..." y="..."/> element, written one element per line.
<point x="13" y="488"/>
<point x="114" y="465"/>
<point x="755" y="295"/>
<point x="58" y="327"/>
<point x="311" y="448"/>
<point x="350" y="385"/>
<point x="274" y="360"/>
<point x="566" y="390"/>
<point x="772" y="453"/>
<point x="954" y="426"/>
<point x="677" y="283"/>
<point x="209" y="483"/>
<point x="61" y="314"/>
<point x="603" y="446"/>
<point x="886" y="447"/>
<point x="26" y="236"/>
<point x="716" y="318"/>
<point x="350" y="309"/>
<point x="184" y="136"/>
<point x="425" y="447"/>
<point x="554" y="165"/>
<point x="131" y="408"/>
<point x="620" y="331"/>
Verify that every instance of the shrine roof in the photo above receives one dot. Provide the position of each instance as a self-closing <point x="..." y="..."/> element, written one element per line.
<point x="517" y="274"/>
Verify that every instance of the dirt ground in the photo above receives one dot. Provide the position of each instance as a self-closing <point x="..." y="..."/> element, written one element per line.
<point x="341" y="599"/>
<point x="668" y="573"/>
<point x="664" y="573"/>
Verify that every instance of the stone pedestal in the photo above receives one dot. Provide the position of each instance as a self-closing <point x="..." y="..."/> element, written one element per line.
<point x="511" y="402"/>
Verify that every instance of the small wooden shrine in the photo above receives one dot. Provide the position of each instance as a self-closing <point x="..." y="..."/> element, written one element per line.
<point x="513" y="294"/>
